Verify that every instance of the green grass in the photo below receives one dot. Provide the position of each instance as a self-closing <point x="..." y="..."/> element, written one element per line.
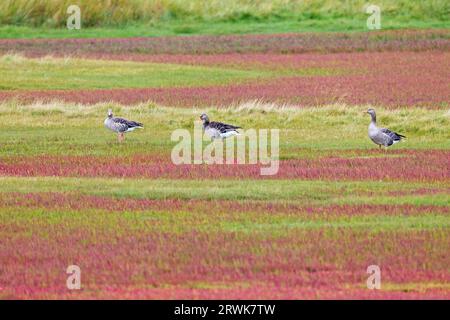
<point x="51" y="73"/>
<point x="186" y="28"/>
<point x="71" y="129"/>
<point x="306" y="192"/>
<point x="177" y="222"/>
<point x="372" y="223"/>
<point x="47" y="19"/>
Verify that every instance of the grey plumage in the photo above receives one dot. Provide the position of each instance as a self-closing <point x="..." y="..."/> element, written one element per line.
<point x="121" y="125"/>
<point x="218" y="129"/>
<point x="382" y="136"/>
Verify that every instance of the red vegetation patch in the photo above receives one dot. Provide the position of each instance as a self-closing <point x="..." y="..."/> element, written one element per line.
<point x="409" y="165"/>
<point x="390" y="79"/>
<point x="418" y="40"/>
<point x="233" y="265"/>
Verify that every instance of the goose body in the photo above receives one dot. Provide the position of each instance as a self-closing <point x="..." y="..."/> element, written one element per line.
<point x="382" y="136"/>
<point x="121" y="125"/>
<point x="218" y="130"/>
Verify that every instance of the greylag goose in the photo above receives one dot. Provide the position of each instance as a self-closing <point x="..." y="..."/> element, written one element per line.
<point x="382" y="136"/>
<point x="218" y="129"/>
<point x="121" y="125"/>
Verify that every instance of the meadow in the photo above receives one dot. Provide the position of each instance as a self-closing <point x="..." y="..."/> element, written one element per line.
<point x="141" y="227"/>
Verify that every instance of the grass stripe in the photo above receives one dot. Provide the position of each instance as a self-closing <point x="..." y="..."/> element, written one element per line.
<point x="55" y="73"/>
<point x="323" y="192"/>
<point x="148" y="221"/>
<point x="370" y="223"/>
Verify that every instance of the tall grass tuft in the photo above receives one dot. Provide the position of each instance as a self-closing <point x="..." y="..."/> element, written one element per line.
<point x="51" y="13"/>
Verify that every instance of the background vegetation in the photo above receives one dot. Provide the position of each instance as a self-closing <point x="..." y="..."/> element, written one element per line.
<point x="19" y="18"/>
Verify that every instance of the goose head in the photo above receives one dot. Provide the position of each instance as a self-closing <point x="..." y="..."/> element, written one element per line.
<point x="372" y="114"/>
<point x="110" y="114"/>
<point x="204" y="118"/>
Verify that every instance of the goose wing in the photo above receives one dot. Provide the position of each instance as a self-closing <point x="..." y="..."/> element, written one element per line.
<point x="123" y="125"/>
<point x="393" y="135"/>
<point x="222" y="127"/>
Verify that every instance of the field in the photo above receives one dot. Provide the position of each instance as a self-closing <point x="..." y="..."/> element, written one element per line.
<point x="140" y="226"/>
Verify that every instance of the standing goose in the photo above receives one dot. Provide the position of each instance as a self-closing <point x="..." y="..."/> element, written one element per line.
<point x="121" y="125"/>
<point x="382" y="136"/>
<point x="218" y="129"/>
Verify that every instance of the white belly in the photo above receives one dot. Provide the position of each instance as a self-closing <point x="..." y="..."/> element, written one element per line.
<point x="228" y="134"/>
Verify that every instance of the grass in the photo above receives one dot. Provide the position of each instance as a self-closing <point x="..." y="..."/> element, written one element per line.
<point x="372" y="223"/>
<point x="37" y="19"/>
<point x="238" y="222"/>
<point x="201" y="233"/>
<point x="71" y="129"/>
<point x="70" y="73"/>
<point x="245" y="238"/>
<point x="306" y="192"/>
<point x="186" y="28"/>
<point x="412" y="287"/>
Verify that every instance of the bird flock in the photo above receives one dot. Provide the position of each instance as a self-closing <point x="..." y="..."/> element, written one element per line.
<point x="219" y="130"/>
